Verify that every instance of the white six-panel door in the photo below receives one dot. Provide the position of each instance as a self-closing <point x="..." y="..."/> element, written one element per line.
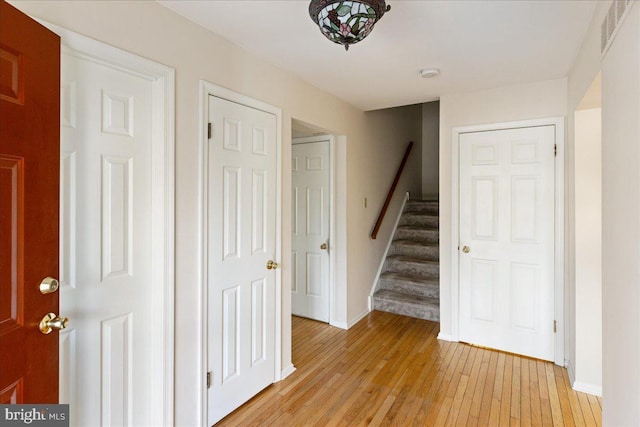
<point x="310" y="228"/>
<point x="241" y="228"/>
<point x="507" y="240"/>
<point x="107" y="354"/>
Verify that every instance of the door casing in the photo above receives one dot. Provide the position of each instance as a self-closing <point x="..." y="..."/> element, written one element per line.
<point x="332" y="216"/>
<point x="559" y="240"/>
<point x="209" y="89"/>
<point x="163" y="144"/>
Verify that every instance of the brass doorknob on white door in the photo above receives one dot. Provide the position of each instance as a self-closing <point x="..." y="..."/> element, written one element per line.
<point x="466" y="249"/>
<point x="323" y="246"/>
<point x="271" y="265"/>
<point x="51" y="322"/>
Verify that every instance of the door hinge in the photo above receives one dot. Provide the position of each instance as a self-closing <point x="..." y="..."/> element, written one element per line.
<point x="209" y="375"/>
<point x="555" y="326"/>
<point x="555" y="150"/>
<point x="209" y="131"/>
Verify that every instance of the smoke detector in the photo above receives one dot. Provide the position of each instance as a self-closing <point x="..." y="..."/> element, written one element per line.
<point x="428" y="73"/>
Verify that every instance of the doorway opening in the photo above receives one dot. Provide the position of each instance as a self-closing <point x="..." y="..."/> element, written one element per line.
<point x="313" y="222"/>
<point x="322" y="234"/>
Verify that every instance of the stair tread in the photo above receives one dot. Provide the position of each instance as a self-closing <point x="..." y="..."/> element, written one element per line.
<point x="406" y="298"/>
<point x="413" y="259"/>
<point x="419" y="280"/>
<point x="415" y="243"/>
<point x="417" y="228"/>
<point x="421" y="214"/>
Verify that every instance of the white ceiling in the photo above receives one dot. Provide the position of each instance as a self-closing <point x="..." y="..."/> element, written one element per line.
<point x="476" y="44"/>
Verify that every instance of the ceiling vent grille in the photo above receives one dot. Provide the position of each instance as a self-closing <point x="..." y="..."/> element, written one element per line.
<point x="611" y="23"/>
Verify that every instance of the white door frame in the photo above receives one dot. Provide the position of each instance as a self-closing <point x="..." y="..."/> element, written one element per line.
<point x="559" y="238"/>
<point x="207" y="89"/>
<point x="332" y="216"/>
<point x="162" y="80"/>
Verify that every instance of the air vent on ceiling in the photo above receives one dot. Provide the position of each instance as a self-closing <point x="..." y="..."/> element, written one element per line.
<point x="611" y="23"/>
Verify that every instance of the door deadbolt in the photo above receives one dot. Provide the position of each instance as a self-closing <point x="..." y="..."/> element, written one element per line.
<point x="49" y="285"/>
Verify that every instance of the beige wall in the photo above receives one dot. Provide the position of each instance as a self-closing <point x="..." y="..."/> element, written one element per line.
<point x="585" y="365"/>
<point x="430" y="145"/>
<point x="370" y="146"/>
<point x="620" y="69"/>
<point x="512" y="103"/>
<point x="621" y="226"/>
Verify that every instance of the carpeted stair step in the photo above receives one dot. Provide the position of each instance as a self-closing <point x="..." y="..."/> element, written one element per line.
<point x="410" y="285"/>
<point x="417" y="234"/>
<point x="409" y="282"/>
<point x="423" y="207"/>
<point x="418" y="219"/>
<point x="411" y="248"/>
<point x="407" y="305"/>
<point x="412" y="266"/>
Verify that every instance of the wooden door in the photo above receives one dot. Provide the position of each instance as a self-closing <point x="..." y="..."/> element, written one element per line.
<point x="241" y="227"/>
<point x="507" y="207"/>
<point x="311" y="212"/>
<point x="29" y="186"/>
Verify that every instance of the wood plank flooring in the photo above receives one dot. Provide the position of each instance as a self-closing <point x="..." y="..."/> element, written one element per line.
<point x="391" y="370"/>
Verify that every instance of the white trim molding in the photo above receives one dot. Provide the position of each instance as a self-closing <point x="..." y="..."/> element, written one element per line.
<point x="207" y="89"/>
<point x="352" y="322"/>
<point x="559" y="243"/>
<point x="580" y="386"/>
<point x="162" y="219"/>
<point x="376" y="280"/>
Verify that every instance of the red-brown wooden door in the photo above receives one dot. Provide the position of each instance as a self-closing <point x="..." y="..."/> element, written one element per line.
<point x="29" y="188"/>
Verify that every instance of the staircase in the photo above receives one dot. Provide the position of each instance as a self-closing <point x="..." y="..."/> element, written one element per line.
<point x="409" y="283"/>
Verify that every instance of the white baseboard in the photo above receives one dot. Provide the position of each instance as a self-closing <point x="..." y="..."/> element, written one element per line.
<point x="341" y="325"/>
<point x="580" y="386"/>
<point x="446" y="337"/>
<point x="587" y="388"/>
<point x="352" y="322"/>
<point x="287" y="371"/>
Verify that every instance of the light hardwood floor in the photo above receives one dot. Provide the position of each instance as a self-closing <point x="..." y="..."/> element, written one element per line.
<point x="391" y="370"/>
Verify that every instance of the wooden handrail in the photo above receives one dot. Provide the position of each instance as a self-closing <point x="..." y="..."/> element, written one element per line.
<point x="387" y="201"/>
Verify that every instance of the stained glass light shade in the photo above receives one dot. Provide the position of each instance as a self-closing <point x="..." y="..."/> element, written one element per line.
<point x="349" y="21"/>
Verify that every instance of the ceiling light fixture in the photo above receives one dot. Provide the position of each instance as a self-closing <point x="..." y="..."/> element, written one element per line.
<point x="428" y="73"/>
<point x="349" y="21"/>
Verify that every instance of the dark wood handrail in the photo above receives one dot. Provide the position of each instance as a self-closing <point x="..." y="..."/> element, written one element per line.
<point x="387" y="201"/>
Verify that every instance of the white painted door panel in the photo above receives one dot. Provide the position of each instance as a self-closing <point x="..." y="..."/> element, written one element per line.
<point x="507" y="210"/>
<point x="241" y="228"/>
<point x="107" y="355"/>
<point x="311" y="212"/>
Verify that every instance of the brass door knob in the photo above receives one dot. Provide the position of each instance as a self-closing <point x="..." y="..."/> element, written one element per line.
<point x="49" y="285"/>
<point x="323" y="246"/>
<point x="52" y="322"/>
<point x="466" y="249"/>
<point x="271" y="265"/>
